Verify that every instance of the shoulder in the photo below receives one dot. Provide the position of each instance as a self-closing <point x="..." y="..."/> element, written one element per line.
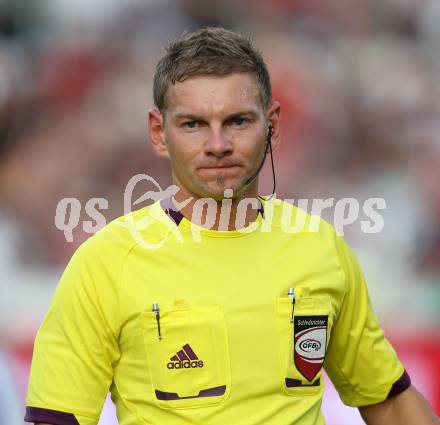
<point x="121" y="235"/>
<point x="101" y="257"/>
<point x="292" y="220"/>
<point x="317" y="236"/>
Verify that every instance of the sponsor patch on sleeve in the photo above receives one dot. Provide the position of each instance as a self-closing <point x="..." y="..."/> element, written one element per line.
<point x="310" y="343"/>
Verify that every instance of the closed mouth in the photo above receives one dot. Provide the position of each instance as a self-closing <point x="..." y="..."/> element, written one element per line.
<point x="219" y="167"/>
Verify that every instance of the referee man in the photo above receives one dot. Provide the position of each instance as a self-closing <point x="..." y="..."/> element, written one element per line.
<point x="233" y="326"/>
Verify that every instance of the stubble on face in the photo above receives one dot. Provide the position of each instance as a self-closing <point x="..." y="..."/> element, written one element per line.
<point x="214" y="99"/>
<point x="221" y="181"/>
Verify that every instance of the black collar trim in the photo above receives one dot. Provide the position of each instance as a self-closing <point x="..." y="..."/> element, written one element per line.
<point x="175" y="215"/>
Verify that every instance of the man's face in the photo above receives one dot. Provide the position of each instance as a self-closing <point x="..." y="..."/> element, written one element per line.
<point x="214" y="132"/>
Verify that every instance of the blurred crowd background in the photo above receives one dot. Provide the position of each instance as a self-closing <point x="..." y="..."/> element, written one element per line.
<point x="359" y="84"/>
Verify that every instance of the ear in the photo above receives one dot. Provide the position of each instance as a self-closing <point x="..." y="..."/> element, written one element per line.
<point x="274" y="116"/>
<point x="156" y="132"/>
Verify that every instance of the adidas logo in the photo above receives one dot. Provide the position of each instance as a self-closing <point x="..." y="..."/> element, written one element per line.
<point x="184" y="359"/>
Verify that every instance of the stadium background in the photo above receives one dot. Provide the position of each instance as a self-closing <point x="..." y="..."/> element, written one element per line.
<point x="359" y="83"/>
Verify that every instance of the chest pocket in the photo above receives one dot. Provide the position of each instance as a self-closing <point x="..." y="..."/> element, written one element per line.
<point x="302" y="342"/>
<point x="189" y="362"/>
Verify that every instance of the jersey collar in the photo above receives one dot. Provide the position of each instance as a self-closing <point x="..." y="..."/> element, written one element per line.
<point x="175" y="215"/>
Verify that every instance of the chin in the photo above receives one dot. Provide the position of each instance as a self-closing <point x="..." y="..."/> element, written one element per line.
<point x="217" y="193"/>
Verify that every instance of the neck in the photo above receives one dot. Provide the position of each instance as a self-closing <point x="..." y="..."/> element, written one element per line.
<point x="225" y="214"/>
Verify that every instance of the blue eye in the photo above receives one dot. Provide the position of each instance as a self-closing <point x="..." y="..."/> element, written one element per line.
<point x="191" y="124"/>
<point x="239" y="122"/>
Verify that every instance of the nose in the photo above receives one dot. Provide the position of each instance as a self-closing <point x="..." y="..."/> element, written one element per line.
<point x="218" y="145"/>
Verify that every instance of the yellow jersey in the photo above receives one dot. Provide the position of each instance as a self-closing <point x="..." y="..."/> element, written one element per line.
<point x="187" y="325"/>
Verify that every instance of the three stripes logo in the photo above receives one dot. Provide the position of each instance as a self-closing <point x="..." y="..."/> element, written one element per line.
<point x="185" y="359"/>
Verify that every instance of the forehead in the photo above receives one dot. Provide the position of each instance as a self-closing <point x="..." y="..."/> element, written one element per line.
<point x="214" y="95"/>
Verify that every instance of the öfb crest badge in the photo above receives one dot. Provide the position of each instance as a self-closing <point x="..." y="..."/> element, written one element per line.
<point x="310" y="340"/>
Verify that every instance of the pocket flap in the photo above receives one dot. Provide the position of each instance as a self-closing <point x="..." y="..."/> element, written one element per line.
<point x="189" y="365"/>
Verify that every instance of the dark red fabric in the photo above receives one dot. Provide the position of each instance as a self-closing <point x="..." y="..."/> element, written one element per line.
<point x="400" y="385"/>
<point x="54" y="417"/>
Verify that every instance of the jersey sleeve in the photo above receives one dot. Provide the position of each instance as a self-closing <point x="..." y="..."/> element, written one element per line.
<point x="75" y="348"/>
<point x="360" y="361"/>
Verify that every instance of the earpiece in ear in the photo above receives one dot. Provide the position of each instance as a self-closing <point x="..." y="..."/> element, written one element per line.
<point x="270" y="131"/>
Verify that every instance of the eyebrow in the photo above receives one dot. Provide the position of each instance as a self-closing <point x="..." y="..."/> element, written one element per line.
<point x="183" y="115"/>
<point x="193" y="117"/>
